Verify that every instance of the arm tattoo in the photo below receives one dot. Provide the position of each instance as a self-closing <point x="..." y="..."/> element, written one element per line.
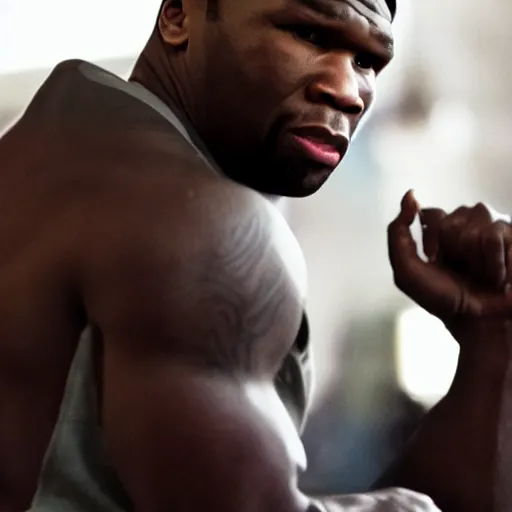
<point x="243" y="291"/>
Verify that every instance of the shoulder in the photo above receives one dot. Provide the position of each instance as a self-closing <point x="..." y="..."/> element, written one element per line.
<point x="150" y="198"/>
<point x="183" y="202"/>
<point x="204" y="265"/>
<point x="170" y="226"/>
<point x="180" y="221"/>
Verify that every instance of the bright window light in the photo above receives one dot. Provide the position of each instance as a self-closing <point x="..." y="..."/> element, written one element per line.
<point x="38" y="35"/>
<point x="426" y="354"/>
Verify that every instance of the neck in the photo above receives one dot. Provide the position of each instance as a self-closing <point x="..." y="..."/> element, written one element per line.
<point x="153" y="71"/>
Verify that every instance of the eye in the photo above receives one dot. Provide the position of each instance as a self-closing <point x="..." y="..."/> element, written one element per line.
<point x="365" y="61"/>
<point x="308" y="34"/>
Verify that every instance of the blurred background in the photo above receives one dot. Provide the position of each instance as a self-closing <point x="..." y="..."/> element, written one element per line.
<point x="441" y="126"/>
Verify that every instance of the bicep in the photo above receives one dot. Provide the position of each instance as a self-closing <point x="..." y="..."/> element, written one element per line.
<point x="186" y="440"/>
<point x="199" y="279"/>
<point x="194" y="305"/>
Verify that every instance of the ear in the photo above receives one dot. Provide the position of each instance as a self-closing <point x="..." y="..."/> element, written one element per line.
<point x="173" y="23"/>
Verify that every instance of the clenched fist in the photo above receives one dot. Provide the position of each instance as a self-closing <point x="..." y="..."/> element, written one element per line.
<point x="469" y="271"/>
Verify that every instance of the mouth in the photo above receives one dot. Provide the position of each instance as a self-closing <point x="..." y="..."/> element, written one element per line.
<point x="320" y="144"/>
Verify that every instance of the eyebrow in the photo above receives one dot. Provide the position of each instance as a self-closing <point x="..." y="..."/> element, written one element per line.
<point x="329" y="10"/>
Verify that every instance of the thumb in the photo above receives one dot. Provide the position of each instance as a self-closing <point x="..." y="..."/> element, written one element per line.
<point x="401" y="245"/>
<point x="430" y="286"/>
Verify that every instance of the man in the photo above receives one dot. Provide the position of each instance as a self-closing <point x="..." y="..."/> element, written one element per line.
<point x="154" y="346"/>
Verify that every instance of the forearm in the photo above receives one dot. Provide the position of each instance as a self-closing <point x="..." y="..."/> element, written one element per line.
<point x="459" y="456"/>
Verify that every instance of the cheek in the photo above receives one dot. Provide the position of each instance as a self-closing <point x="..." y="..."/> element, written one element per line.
<point x="276" y="67"/>
<point x="251" y="76"/>
<point x="367" y="90"/>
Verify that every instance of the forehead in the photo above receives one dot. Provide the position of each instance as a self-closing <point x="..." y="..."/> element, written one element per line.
<point x="371" y="17"/>
<point x="373" y="9"/>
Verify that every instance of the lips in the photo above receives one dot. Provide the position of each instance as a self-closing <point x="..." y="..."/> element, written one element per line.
<point x="319" y="144"/>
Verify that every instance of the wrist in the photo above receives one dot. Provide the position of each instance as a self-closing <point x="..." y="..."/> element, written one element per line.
<point x="483" y="342"/>
<point x="484" y="361"/>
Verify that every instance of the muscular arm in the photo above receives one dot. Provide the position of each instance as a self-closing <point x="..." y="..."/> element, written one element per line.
<point x="458" y="456"/>
<point x="195" y="322"/>
<point x="197" y="312"/>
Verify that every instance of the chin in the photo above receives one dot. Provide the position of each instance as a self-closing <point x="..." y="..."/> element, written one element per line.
<point x="287" y="179"/>
<point x="305" y="183"/>
<point x="296" y="189"/>
<point x="299" y="191"/>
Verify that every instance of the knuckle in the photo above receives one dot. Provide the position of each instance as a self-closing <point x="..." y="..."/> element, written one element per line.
<point x="461" y="211"/>
<point x="455" y="223"/>
<point x="482" y="213"/>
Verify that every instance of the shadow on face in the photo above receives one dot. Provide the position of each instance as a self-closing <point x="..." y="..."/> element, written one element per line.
<point x="276" y="88"/>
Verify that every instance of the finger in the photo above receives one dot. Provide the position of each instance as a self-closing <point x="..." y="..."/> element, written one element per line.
<point x="431" y="226"/>
<point x="467" y="244"/>
<point x="429" y="285"/>
<point x="480" y="223"/>
<point x="401" y="245"/>
<point x="494" y="250"/>
<point x="452" y="229"/>
<point x="507" y="249"/>
<point x="472" y="254"/>
<point x="481" y="213"/>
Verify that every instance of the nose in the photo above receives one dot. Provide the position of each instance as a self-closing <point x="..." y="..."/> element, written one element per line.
<point x="337" y="85"/>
